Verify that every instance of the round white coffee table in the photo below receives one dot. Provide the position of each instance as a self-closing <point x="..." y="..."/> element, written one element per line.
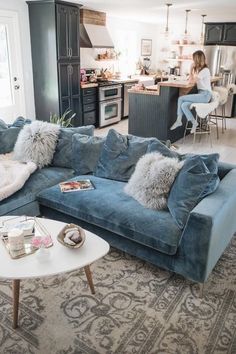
<point x="61" y="260"/>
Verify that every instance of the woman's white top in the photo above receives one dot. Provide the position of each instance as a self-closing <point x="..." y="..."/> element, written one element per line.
<point x="204" y="80"/>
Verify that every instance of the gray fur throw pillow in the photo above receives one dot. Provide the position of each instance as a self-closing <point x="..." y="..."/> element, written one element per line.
<point x="37" y="143"/>
<point x="152" y="179"/>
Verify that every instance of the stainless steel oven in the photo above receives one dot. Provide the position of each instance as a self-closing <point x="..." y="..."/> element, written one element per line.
<point x="109" y="92"/>
<point x="110" y="103"/>
<point x="109" y="112"/>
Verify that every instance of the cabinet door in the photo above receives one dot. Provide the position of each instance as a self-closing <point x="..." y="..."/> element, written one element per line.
<point x="74" y="79"/>
<point x="229" y="34"/>
<point x="62" y="32"/>
<point x="64" y="87"/>
<point x="214" y="33"/>
<point x="74" y="33"/>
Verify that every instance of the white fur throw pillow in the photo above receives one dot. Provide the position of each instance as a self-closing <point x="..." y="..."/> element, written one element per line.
<point x="37" y="143"/>
<point x="152" y="180"/>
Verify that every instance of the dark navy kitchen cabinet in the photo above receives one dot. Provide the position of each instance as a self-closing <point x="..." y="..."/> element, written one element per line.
<point x="229" y="37"/>
<point x="220" y="33"/>
<point x="54" y="30"/>
<point x="214" y="33"/>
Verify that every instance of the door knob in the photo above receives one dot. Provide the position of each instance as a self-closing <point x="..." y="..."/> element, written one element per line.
<point x="16" y="87"/>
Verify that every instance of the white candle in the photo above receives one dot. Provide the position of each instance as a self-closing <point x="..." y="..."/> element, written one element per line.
<point x="16" y="239"/>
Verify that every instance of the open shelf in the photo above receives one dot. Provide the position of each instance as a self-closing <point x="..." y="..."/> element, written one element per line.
<point x="187" y="45"/>
<point x="171" y="59"/>
<point x="106" y="59"/>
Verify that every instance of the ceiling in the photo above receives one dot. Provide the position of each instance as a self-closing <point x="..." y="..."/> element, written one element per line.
<point x="154" y="11"/>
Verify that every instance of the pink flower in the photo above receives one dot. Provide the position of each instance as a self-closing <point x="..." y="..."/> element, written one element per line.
<point x="39" y="241"/>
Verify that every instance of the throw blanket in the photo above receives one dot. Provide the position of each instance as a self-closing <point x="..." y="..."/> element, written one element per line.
<point x="13" y="175"/>
<point x="232" y="89"/>
<point x="203" y="109"/>
<point x="223" y="92"/>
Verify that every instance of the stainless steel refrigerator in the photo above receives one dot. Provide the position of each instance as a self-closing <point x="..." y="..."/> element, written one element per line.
<point x="222" y="62"/>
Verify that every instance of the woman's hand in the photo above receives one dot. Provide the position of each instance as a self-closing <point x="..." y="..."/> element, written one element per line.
<point x="192" y="75"/>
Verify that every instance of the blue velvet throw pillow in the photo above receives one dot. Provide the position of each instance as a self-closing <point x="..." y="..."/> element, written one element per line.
<point x="8" y="139"/>
<point x="86" y="152"/>
<point x="9" y="134"/>
<point x="119" y="155"/>
<point x="157" y="146"/>
<point x="63" y="155"/>
<point x="197" y="179"/>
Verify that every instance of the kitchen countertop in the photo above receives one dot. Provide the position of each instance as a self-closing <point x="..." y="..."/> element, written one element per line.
<point x="123" y="80"/>
<point x="92" y="84"/>
<point x="184" y="86"/>
<point x="184" y="83"/>
<point x="150" y="90"/>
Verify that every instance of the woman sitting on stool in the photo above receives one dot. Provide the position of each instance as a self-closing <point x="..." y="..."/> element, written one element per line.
<point x="199" y="74"/>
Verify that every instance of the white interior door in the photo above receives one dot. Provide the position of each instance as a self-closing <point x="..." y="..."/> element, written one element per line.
<point x="12" y="102"/>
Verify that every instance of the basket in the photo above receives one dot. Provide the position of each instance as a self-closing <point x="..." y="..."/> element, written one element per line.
<point x="61" y="236"/>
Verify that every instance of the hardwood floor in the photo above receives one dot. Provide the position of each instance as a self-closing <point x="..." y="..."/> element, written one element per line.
<point x="225" y="145"/>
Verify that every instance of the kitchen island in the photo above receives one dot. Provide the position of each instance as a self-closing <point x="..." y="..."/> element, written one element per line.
<point x="153" y="111"/>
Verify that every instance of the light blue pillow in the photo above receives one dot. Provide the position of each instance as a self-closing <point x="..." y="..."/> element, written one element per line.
<point x="63" y="154"/>
<point x="157" y="146"/>
<point x="20" y="122"/>
<point x="8" y="139"/>
<point x="197" y="179"/>
<point x="120" y="154"/>
<point x="3" y="125"/>
<point x="86" y="152"/>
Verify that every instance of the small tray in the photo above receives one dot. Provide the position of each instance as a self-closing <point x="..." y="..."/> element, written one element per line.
<point x="39" y="230"/>
<point x="61" y="236"/>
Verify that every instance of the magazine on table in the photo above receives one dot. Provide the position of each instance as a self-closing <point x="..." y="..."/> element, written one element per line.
<point x="76" y="186"/>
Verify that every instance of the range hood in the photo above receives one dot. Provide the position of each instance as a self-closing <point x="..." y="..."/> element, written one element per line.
<point x="93" y="30"/>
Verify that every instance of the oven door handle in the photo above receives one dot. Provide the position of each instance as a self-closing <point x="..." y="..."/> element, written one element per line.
<point x="105" y="88"/>
<point x="108" y="102"/>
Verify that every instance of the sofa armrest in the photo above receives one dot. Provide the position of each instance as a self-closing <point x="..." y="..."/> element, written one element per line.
<point x="209" y="229"/>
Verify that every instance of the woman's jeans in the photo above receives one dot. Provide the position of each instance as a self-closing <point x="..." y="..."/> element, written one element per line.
<point x="184" y="103"/>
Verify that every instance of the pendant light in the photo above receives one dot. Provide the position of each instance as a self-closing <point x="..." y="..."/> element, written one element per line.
<point x="186" y="22"/>
<point x="168" y="5"/>
<point x="202" y="30"/>
<point x="186" y="35"/>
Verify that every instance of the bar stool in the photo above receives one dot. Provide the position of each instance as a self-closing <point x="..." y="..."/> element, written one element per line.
<point x="202" y="114"/>
<point x="214" y="118"/>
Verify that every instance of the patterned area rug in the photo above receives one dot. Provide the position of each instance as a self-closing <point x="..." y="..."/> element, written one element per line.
<point x="137" y="308"/>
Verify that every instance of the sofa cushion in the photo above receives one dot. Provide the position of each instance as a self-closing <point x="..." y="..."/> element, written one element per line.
<point x="120" y="154"/>
<point x="20" y="122"/>
<point x="197" y="178"/>
<point x="157" y="146"/>
<point x="39" y="180"/>
<point x="86" y="151"/>
<point x="8" y="139"/>
<point x="3" y="125"/>
<point x="63" y="153"/>
<point x="9" y="134"/>
<point x="108" y="206"/>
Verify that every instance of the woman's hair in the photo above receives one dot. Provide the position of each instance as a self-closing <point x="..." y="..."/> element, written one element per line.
<point x="199" y="60"/>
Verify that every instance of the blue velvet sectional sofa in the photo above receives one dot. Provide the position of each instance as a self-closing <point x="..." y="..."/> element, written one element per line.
<point x="148" y="234"/>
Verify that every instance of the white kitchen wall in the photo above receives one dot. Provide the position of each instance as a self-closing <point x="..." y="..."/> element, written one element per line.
<point x="127" y="37"/>
<point x="21" y="8"/>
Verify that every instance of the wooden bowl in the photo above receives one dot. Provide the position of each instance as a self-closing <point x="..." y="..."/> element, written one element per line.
<point x="61" y="236"/>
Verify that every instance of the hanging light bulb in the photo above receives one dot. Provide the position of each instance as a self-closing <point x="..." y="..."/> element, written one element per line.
<point x="186" y="35"/>
<point x="202" y="30"/>
<point x="166" y="33"/>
